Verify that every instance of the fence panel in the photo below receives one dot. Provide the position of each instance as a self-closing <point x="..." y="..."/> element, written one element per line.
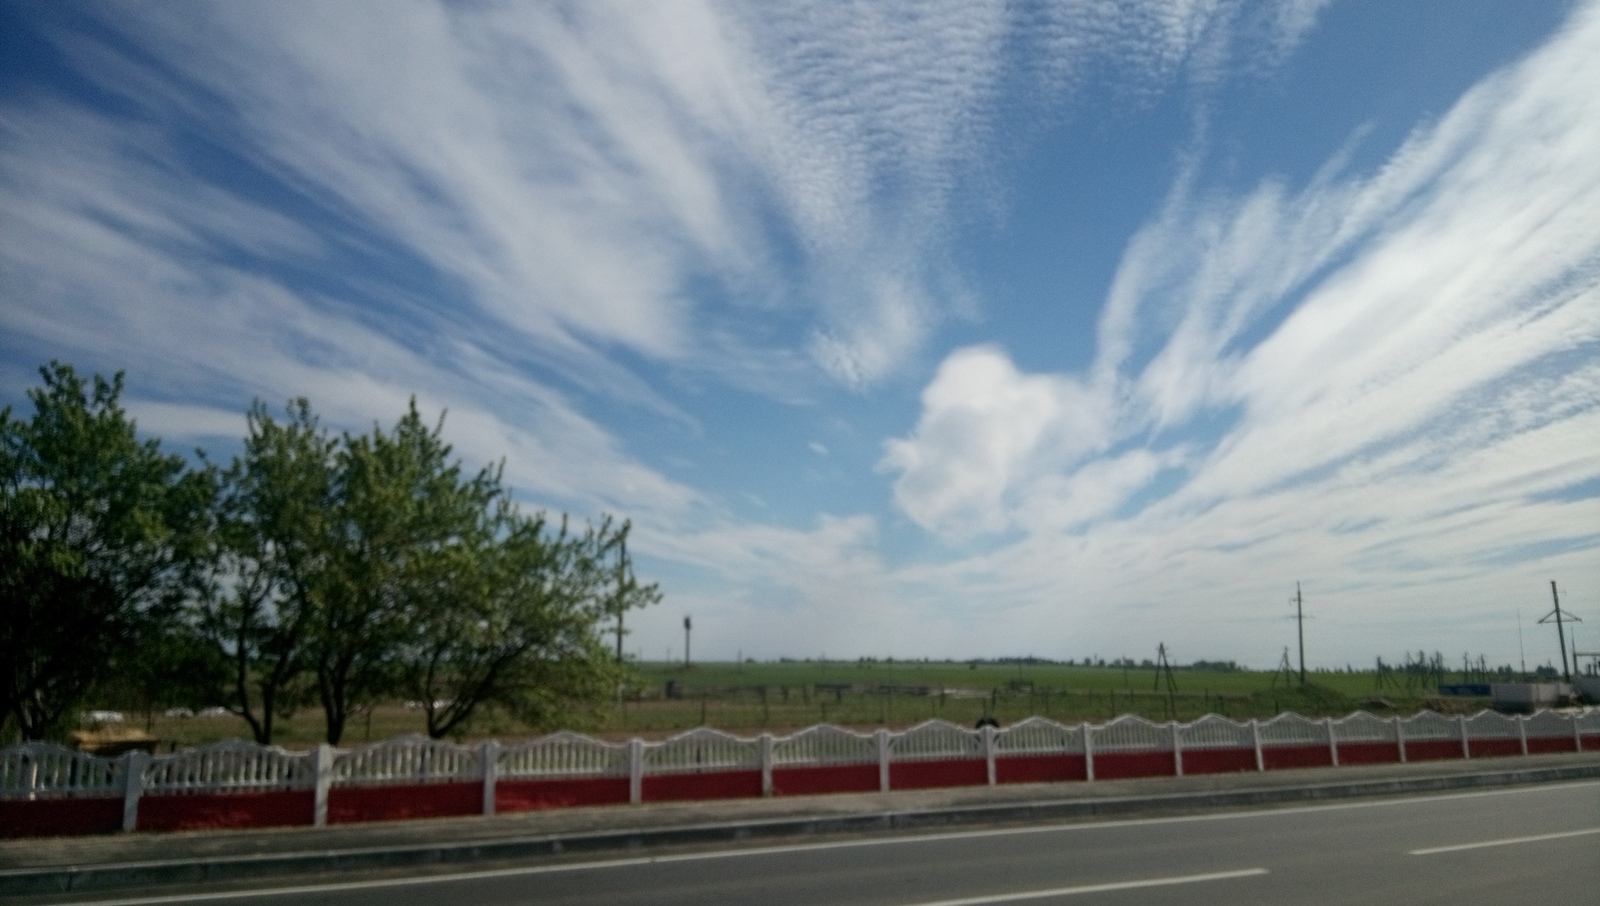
<point x="1215" y="732"/>
<point x="824" y="745"/>
<point x="1131" y="746"/>
<point x="1217" y="745"/>
<point x="1039" y="736"/>
<point x="1548" y="732"/>
<point x="33" y="770"/>
<point x="1292" y="741"/>
<point x="703" y="749"/>
<point x="1587" y="728"/>
<point x="1039" y="750"/>
<point x="410" y="759"/>
<point x="702" y="764"/>
<point x="1130" y="733"/>
<point x="1431" y="736"/>
<point x="560" y="770"/>
<point x="824" y="759"/>
<point x="563" y="754"/>
<point x="231" y="766"/>
<point x="405" y="777"/>
<point x="936" y="753"/>
<point x="935" y="740"/>
<point x="1365" y="739"/>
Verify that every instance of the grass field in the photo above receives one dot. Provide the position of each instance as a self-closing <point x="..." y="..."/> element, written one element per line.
<point x="783" y="696"/>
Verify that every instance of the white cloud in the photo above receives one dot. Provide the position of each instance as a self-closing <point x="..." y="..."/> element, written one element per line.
<point x="987" y="432"/>
<point x="1398" y="370"/>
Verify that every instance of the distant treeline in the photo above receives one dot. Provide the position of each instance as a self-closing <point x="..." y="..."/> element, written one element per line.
<point x="1030" y="661"/>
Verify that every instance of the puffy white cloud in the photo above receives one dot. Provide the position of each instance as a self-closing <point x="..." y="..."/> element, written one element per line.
<point x="985" y="434"/>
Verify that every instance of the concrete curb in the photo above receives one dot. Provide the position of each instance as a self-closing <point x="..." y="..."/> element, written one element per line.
<point x="66" y="879"/>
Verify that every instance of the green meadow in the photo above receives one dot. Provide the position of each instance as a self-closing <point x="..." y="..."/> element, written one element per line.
<point x="782" y="696"/>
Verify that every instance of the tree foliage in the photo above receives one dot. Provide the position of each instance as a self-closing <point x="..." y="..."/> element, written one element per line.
<point x="101" y="534"/>
<point x="510" y="617"/>
<point x="356" y="568"/>
<point x="266" y="557"/>
<point x="342" y="570"/>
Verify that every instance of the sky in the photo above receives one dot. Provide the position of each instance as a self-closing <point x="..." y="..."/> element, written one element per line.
<point x="948" y="330"/>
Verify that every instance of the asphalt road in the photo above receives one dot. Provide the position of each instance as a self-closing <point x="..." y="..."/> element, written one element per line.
<point x="1525" y="845"/>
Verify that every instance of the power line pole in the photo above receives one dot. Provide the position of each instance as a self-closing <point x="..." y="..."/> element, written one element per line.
<point x="1300" y="628"/>
<point x="1557" y="617"/>
<point x="686" y="641"/>
<point x="622" y="592"/>
<point x="1521" y="654"/>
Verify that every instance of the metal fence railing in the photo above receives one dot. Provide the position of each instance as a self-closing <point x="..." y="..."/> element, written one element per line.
<point x="41" y="771"/>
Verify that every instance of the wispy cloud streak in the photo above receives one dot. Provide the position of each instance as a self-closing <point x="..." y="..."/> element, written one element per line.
<point x="1398" y="372"/>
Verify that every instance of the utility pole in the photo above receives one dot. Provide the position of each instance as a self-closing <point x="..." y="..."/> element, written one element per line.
<point x="1521" y="655"/>
<point x="1164" y="668"/>
<point x="622" y="592"/>
<point x="1300" y="627"/>
<point x="686" y="641"/>
<point x="1557" y="617"/>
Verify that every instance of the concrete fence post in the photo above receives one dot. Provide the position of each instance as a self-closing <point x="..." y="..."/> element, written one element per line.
<point x="489" y="754"/>
<point x="1466" y="749"/>
<point x="986" y="734"/>
<point x="766" y="764"/>
<point x="882" y="736"/>
<point x="133" y="765"/>
<point x="1333" y="741"/>
<point x="1177" y="749"/>
<point x="635" y="771"/>
<point x="1522" y="732"/>
<point x="1255" y="737"/>
<point x="1400" y="737"/>
<point x="1088" y="752"/>
<point x="321" y="783"/>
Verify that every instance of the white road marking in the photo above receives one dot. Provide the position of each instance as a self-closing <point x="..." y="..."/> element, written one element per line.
<point x="807" y="847"/>
<point x="1094" y="888"/>
<point x="1508" y="841"/>
<point x="512" y="872"/>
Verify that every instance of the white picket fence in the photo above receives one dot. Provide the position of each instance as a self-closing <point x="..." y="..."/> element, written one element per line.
<point x="35" y="770"/>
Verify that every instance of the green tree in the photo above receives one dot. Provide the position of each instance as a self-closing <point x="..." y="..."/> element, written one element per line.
<point x="269" y="554"/>
<point x="399" y="500"/>
<point x="510" y="618"/>
<point x="101" y="536"/>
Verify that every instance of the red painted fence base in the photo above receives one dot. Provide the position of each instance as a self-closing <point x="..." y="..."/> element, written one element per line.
<point x="1278" y="758"/>
<point x="1433" y="749"/>
<point x="1218" y="761"/>
<point x="1368" y="753"/>
<point x="837" y="778"/>
<point x="201" y="811"/>
<point x="922" y="775"/>
<point x="528" y="795"/>
<point x="66" y="817"/>
<point x="390" y="803"/>
<point x="707" y="785"/>
<point x="1040" y="768"/>
<point x="1495" y="748"/>
<point x="1128" y="765"/>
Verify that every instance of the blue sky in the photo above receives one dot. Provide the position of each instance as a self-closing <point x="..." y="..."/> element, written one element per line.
<point x="946" y="330"/>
